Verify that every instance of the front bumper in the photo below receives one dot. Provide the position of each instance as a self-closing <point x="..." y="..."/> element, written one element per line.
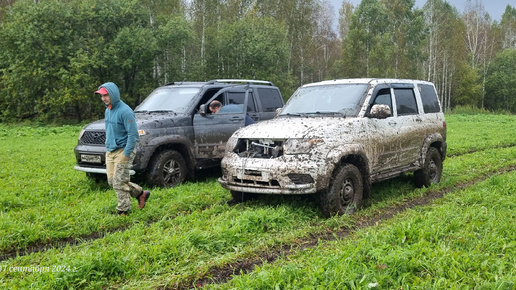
<point x="288" y="174"/>
<point x="96" y="170"/>
<point x="99" y="168"/>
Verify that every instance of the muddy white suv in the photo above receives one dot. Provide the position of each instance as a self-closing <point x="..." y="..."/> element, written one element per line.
<point x="334" y="138"/>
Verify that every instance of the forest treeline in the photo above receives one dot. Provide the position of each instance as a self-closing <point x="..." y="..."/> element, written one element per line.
<point x="54" y="53"/>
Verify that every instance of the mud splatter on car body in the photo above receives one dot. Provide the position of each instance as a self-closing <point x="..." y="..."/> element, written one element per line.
<point x="335" y="138"/>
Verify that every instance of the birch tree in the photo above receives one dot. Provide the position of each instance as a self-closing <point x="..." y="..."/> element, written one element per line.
<point x="508" y="25"/>
<point x="445" y="49"/>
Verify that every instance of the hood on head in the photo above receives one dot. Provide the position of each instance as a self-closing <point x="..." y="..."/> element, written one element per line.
<point x="113" y="91"/>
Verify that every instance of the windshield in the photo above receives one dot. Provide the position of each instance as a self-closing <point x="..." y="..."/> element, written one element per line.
<point x="339" y="100"/>
<point x="173" y="99"/>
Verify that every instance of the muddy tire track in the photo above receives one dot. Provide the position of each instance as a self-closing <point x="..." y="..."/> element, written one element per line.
<point x="57" y="244"/>
<point x="483" y="149"/>
<point x="72" y="241"/>
<point x="220" y="275"/>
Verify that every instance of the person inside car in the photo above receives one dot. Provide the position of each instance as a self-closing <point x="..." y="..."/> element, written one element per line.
<point x="216" y="106"/>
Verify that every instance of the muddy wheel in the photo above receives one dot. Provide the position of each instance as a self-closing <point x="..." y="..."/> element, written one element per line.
<point x="345" y="193"/>
<point x="432" y="169"/>
<point x="239" y="197"/>
<point x="167" y="169"/>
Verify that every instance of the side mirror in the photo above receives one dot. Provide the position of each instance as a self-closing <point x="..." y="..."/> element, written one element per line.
<point x="380" y="111"/>
<point x="278" y="110"/>
<point x="202" y="110"/>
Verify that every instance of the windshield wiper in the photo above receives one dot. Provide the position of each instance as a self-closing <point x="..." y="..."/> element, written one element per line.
<point x="324" y="113"/>
<point x="163" y="111"/>
<point x="155" y="111"/>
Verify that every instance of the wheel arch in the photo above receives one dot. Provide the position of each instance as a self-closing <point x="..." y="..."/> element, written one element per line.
<point x="177" y="143"/>
<point x="435" y="140"/>
<point x="358" y="159"/>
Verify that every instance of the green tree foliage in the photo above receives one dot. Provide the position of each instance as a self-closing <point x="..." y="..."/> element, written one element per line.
<point x="177" y="44"/>
<point x="36" y="42"/>
<point x="120" y="47"/>
<point x="312" y="42"/>
<point x="469" y="89"/>
<point x="345" y="14"/>
<point x="54" y="53"/>
<point x="508" y="25"/>
<point x="252" y="48"/>
<point x="385" y="40"/>
<point x="501" y="82"/>
<point x="408" y="34"/>
<point x="365" y="35"/>
<point x="445" y="49"/>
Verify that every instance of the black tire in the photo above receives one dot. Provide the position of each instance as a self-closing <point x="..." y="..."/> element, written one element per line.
<point x="345" y="193"/>
<point x="239" y="197"/>
<point x="168" y="169"/>
<point x="432" y="169"/>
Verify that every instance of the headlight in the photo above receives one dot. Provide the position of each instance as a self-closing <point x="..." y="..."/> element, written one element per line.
<point x="142" y="132"/>
<point x="300" y="145"/>
<point x="230" y="145"/>
<point x="81" y="133"/>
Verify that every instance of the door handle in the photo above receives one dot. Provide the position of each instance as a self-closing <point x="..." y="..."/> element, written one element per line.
<point x="392" y="123"/>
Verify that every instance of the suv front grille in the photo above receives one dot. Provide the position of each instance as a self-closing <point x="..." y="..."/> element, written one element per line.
<point x="270" y="183"/>
<point x="93" y="137"/>
<point x="259" y="148"/>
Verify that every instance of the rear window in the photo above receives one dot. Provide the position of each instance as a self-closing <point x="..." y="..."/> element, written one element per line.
<point x="429" y="98"/>
<point x="405" y="101"/>
<point x="239" y="98"/>
<point x="270" y="99"/>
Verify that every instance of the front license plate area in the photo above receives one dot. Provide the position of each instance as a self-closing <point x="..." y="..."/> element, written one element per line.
<point x="91" y="158"/>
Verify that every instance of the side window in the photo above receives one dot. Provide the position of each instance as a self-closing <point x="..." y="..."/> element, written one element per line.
<point x="405" y="101"/>
<point x="270" y="98"/>
<point x="238" y="98"/>
<point x="429" y="99"/>
<point x="383" y="98"/>
<point x="207" y="96"/>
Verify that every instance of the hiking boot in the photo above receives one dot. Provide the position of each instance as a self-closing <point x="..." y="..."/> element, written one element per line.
<point x="143" y="199"/>
<point x="122" y="213"/>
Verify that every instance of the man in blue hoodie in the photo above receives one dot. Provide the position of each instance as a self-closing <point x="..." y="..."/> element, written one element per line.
<point x="121" y="138"/>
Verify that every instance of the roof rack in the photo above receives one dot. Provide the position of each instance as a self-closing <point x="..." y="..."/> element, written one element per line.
<point x="184" y="83"/>
<point x="241" y="81"/>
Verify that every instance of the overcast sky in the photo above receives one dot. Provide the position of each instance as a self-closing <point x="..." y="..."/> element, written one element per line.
<point x="495" y="8"/>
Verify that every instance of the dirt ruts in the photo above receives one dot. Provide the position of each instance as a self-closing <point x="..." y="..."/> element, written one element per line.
<point x="219" y="275"/>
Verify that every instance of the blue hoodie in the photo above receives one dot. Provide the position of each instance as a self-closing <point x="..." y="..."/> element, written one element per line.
<point x="120" y="123"/>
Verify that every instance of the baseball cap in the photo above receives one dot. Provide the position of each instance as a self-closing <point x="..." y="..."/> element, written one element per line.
<point x="102" y="91"/>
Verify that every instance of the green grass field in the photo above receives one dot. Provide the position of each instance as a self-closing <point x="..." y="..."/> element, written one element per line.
<point x="59" y="230"/>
